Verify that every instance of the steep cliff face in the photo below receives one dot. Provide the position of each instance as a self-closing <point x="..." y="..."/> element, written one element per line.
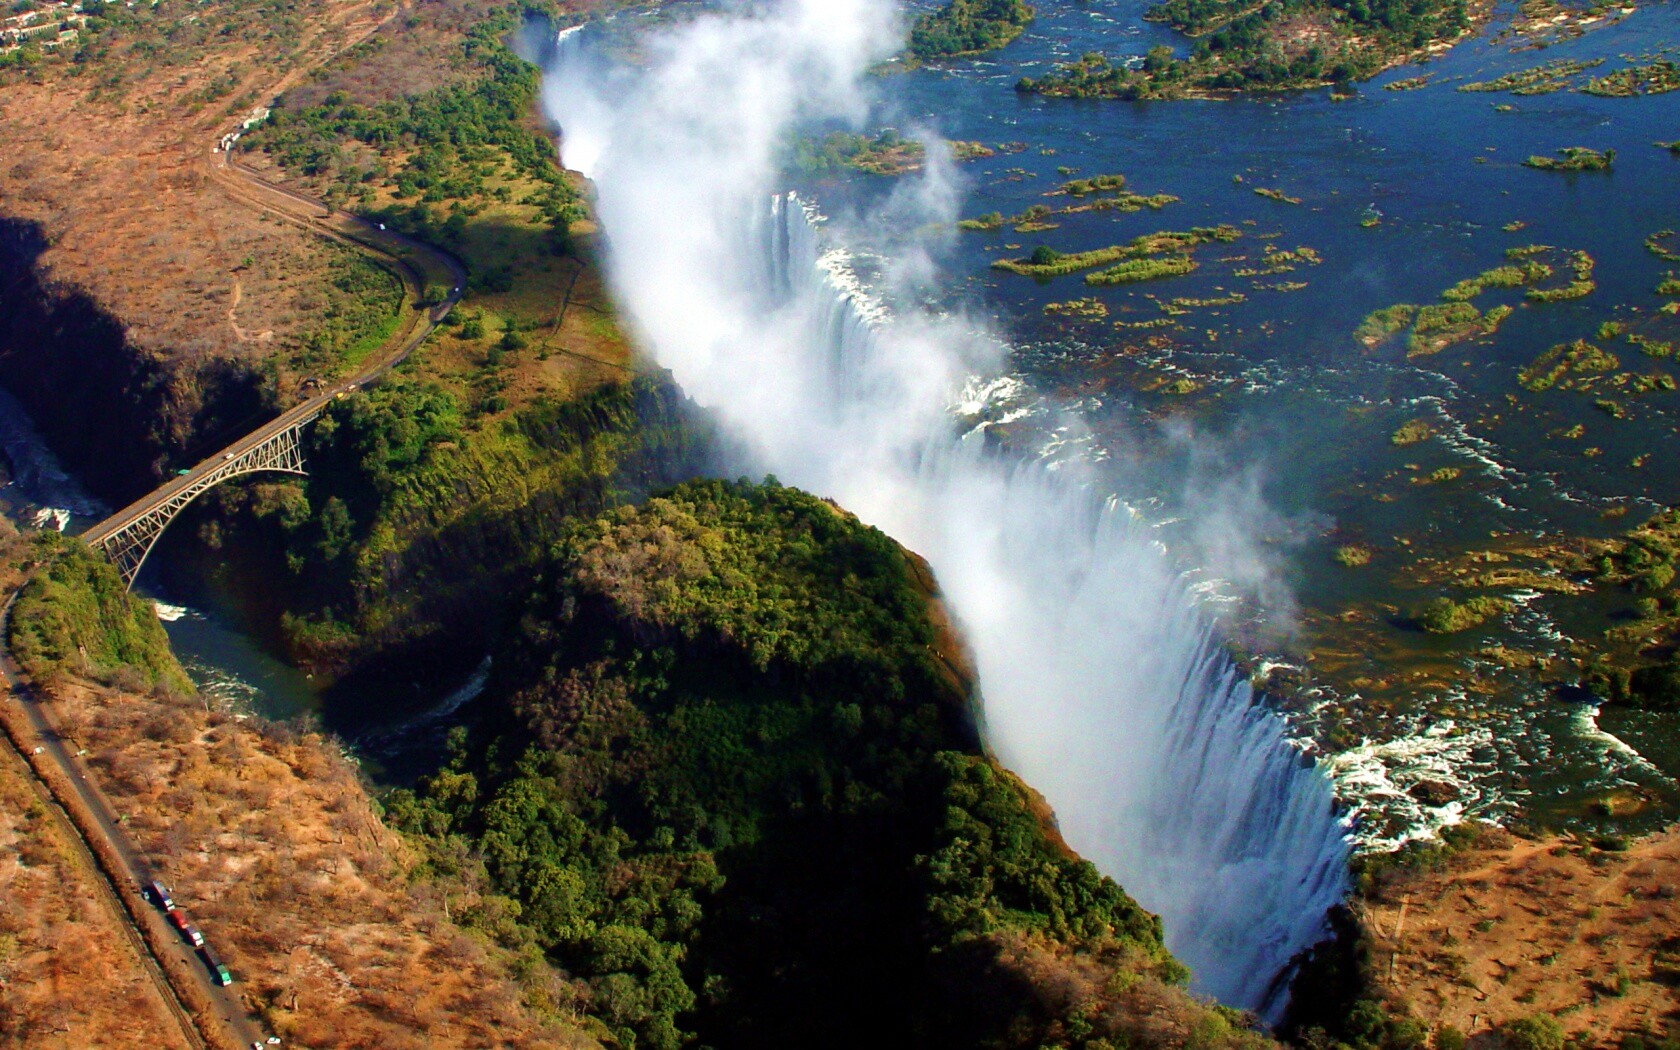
<point x="118" y="416"/>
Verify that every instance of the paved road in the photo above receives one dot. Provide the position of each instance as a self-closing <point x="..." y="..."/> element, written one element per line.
<point x="339" y="226"/>
<point x="239" y="1028"/>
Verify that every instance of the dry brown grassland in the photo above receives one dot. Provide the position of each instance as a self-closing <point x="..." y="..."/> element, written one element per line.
<point x="69" y="980"/>
<point x="113" y="164"/>
<point x="1513" y="927"/>
<point x="267" y="837"/>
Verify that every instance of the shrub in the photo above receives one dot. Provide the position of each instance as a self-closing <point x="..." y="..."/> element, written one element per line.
<point x="1353" y="555"/>
<point x="1539" y="1032"/>
<point x="1445" y="616"/>
<point x="1411" y="432"/>
<point x="75" y="616"/>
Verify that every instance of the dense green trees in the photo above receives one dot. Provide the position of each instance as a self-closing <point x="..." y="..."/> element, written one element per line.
<point x="75" y="616"/>
<point x="421" y="515"/>
<point x="1279" y="45"/>
<point x="731" y="784"/>
<point x="966" y="26"/>
<point x="443" y="146"/>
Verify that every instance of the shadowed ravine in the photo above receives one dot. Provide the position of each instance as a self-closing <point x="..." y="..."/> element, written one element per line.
<point x="1103" y="686"/>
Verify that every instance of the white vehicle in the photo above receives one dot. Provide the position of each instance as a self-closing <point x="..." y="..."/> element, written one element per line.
<point x="382" y="226"/>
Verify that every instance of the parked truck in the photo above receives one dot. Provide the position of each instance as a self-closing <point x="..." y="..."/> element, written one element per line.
<point x="160" y="895"/>
<point x="213" y="962"/>
<point x="178" y="919"/>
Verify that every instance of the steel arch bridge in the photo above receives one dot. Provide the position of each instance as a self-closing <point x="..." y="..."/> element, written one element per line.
<point x="129" y="535"/>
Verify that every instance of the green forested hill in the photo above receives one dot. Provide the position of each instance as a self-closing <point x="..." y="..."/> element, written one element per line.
<point x="730" y="782"/>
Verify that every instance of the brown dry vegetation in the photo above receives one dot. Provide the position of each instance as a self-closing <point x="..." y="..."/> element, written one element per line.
<point x="1509" y="928"/>
<point x="69" y="980"/>
<point x="114" y="166"/>
<point x="271" y="844"/>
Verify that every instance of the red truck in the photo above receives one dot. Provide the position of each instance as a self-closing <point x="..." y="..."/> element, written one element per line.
<point x="178" y="919"/>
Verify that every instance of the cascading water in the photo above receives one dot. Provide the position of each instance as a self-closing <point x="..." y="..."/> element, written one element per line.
<point x="1102" y="684"/>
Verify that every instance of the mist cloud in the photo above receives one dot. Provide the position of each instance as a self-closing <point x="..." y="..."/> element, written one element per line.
<point x="1101" y="685"/>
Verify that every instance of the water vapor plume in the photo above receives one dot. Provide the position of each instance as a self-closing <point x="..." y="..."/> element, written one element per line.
<point x="1102" y="684"/>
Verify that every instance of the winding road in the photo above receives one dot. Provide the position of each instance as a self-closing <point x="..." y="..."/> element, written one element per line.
<point x="416" y="263"/>
<point x="171" y="963"/>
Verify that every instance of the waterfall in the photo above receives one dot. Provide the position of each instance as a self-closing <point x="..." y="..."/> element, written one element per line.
<point x="1103" y="684"/>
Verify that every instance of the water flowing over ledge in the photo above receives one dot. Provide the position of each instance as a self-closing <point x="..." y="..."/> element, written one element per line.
<point x="1103" y="685"/>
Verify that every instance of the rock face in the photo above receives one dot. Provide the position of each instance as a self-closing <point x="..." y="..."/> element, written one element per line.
<point x="118" y="416"/>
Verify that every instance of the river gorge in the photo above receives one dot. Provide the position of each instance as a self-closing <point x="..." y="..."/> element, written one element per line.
<point x="1181" y="521"/>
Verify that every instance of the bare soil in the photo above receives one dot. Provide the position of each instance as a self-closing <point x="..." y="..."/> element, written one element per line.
<point x="1514" y="927"/>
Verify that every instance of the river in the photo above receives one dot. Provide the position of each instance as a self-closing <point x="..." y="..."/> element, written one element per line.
<point x="1288" y="417"/>
<point x="1244" y="428"/>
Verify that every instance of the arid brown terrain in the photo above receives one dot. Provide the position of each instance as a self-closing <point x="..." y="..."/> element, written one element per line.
<point x="269" y="841"/>
<point x="70" y="979"/>
<point x="1508" y="928"/>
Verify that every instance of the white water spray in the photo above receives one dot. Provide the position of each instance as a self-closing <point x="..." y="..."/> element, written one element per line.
<point x="1102" y="685"/>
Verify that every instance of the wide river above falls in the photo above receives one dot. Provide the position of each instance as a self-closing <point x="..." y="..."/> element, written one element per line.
<point x="1400" y="194"/>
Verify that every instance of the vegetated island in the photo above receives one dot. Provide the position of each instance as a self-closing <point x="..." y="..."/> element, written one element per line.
<point x="1097" y="193"/>
<point x="968" y="27"/>
<point x="1435" y="326"/>
<point x="1573" y="158"/>
<point x="1279" y="45"/>
<point x="1152" y="255"/>
<point x="887" y="153"/>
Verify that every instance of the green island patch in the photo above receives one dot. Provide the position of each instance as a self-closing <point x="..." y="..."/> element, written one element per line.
<point x="968" y="27"/>
<point x="1046" y="263"/>
<point x="1564" y="365"/>
<point x="1079" y="309"/>
<point x="1537" y="80"/>
<point x="1445" y="616"/>
<point x="1279" y="46"/>
<point x="1436" y="326"/>
<point x="888" y="153"/>
<point x="1409" y="83"/>
<point x="1096" y="194"/>
<point x="1655" y="79"/>
<point x="1573" y="158"/>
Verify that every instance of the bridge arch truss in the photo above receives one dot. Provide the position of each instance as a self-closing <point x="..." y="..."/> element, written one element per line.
<point x="128" y="536"/>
